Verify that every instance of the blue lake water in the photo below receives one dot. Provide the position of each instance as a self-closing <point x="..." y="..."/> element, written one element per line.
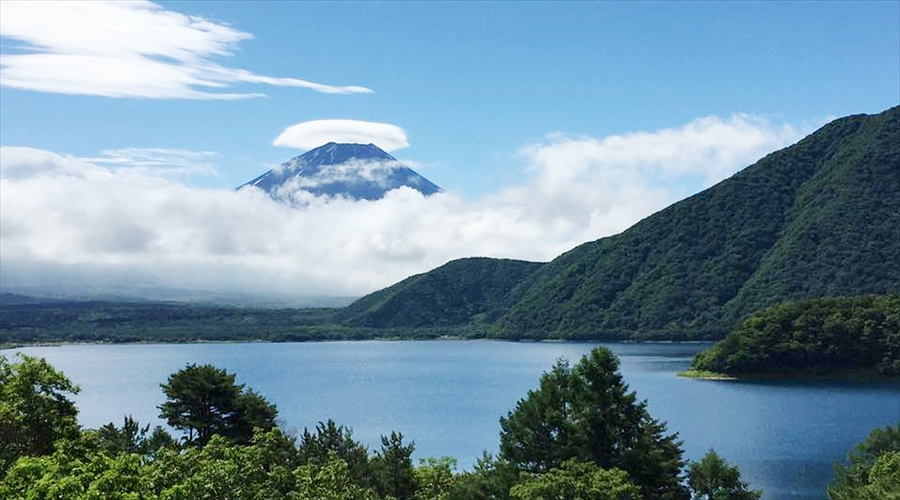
<point x="448" y="396"/>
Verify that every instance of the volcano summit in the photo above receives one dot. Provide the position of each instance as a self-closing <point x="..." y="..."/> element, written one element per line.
<point x="356" y="171"/>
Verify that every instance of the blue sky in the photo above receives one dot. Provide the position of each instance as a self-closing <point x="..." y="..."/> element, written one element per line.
<point x="547" y="123"/>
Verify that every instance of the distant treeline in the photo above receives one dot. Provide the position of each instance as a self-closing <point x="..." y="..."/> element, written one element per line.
<point x="816" y="337"/>
<point x="43" y="321"/>
<point x="842" y="335"/>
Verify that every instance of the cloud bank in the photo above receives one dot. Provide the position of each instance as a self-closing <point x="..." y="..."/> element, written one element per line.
<point x="126" y="49"/>
<point x="311" y="134"/>
<point x="59" y="214"/>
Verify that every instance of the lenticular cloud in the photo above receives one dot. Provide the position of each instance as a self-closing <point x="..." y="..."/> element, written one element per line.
<point x="311" y="134"/>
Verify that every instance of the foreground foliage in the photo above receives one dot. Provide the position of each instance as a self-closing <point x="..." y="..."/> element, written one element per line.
<point x="820" y="336"/>
<point x="205" y="400"/>
<point x="713" y="479"/>
<point x="34" y="409"/>
<point x="582" y="435"/>
<point x="575" y="480"/>
<point x="586" y="413"/>
<point x="872" y="469"/>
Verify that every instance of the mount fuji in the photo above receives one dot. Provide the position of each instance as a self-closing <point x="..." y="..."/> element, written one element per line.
<point x="356" y="171"/>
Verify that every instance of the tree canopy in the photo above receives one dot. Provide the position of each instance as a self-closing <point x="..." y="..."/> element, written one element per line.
<point x="575" y="480"/>
<point x="204" y="400"/>
<point x="713" y="479"/>
<point x="35" y="410"/>
<point x="871" y="470"/>
<point x="609" y="448"/>
<point x="818" y="336"/>
<point x="587" y="413"/>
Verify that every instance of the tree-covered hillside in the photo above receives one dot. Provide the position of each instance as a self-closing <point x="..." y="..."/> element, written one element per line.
<point x="820" y="218"/>
<point x="457" y="293"/>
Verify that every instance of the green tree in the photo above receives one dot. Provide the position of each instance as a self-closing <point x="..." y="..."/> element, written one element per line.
<point x="884" y="478"/>
<point x="436" y="478"/>
<point x="132" y="438"/>
<point x="204" y="400"/>
<point x="713" y="479"/>
<point x="34" y="408"/>
<point x="871" y="466"/>
<point x="393" y="468"/>
<point x="490" y="479"/>
<point x="331" y="480"/>
<point x="66" y="475"/>
<point x="587" y="413"/>
<point x="254" y="412"/>
<point x="330" y="441"/>
<point x="576" y="480"/>
<point x="260" y="470"/>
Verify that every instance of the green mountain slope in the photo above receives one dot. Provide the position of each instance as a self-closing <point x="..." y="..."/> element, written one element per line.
<point x="457" y="293"/>
<point x="820" y="218"/>
<point x="843" y="233"/>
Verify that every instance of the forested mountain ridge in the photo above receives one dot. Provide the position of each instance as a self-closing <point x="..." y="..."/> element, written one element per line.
<point x="819" y="218"/>
<point x="457" y="293"/>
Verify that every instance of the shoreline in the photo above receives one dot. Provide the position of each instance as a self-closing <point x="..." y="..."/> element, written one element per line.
<point x="861" y="377"/>
<point x="858" y="377"/>
<point x="446" y="338"/>
<point x="706" y="375"/>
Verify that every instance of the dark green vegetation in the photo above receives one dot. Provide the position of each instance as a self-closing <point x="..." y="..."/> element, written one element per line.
<point x="205" y="401"/>
<point x="460" y="292"/>
<point x="27" y="320"/>
<point x="580" y="435"/>
<point x="818" y="219"/>
<point x="586" y="413"/>
<point x="713" y="479"/>
<point x="855" y="335"/>
<point x="871" y="470"/>
<point x="34" y="410"/>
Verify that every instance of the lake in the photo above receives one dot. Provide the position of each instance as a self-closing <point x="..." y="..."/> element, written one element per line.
<point x="448" y="396"/>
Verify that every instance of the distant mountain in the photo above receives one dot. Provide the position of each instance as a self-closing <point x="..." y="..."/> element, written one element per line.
<point x="818" y="219"/>
<point x="355" y="171"/>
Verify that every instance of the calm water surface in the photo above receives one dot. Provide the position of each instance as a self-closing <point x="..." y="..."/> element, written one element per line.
<point x="447" y="396"/>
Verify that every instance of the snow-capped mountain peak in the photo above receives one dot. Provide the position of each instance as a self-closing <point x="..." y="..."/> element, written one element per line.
<point x="356" y="171"/>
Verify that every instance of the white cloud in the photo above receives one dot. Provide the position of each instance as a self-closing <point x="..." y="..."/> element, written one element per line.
<point x="601" y="186"/>
<point x="712" y="148"/>
<point x="62" y="213"/>
<point x="25" y="163"/>
<point x="349" y="173"/>
<point x="164" y="162"/>
<point x="312" y="134"/>
<point x="126" y="49"/>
